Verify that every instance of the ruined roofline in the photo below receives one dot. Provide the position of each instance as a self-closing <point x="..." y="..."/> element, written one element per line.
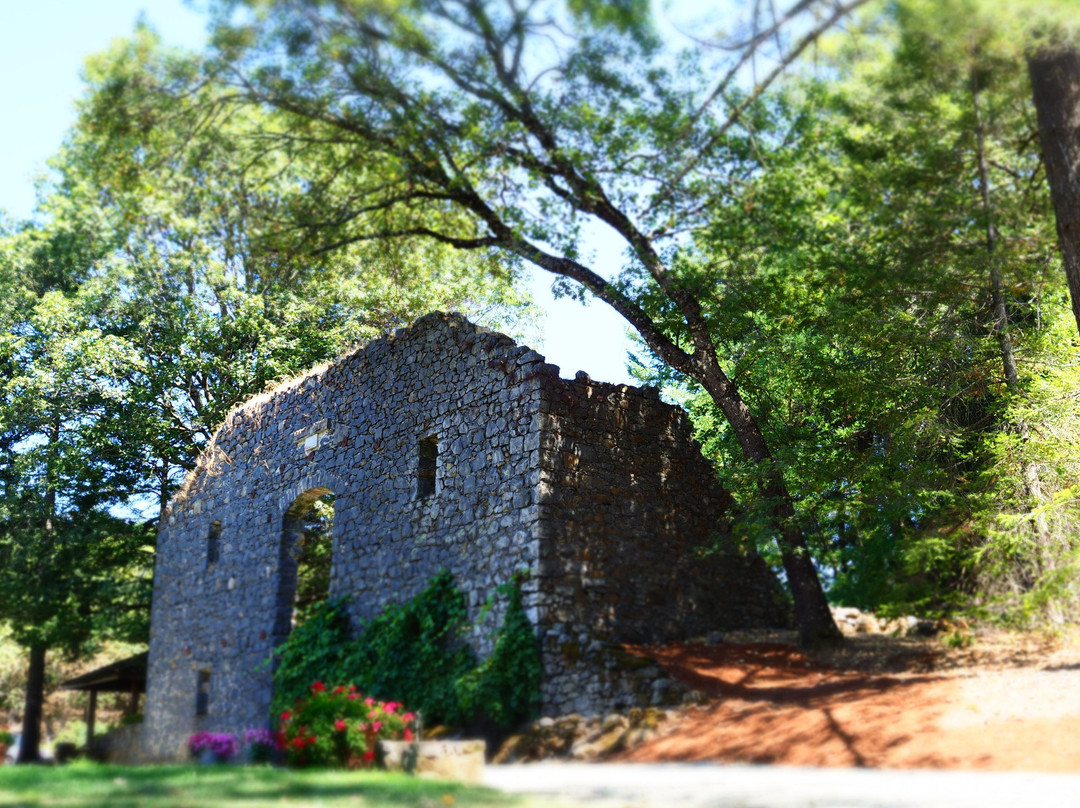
<point x="455" y="319"/>
<point x="508" y="348"/>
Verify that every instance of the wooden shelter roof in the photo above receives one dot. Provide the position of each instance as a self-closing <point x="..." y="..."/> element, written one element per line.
<point x="123" y="676"/>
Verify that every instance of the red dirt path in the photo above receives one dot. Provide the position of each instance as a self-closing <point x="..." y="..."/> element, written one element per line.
<point x="770" y="703"/>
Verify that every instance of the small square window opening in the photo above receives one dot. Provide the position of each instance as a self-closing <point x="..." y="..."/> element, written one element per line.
<point x="202" y="694"/>
<point x="425" y="471"/>
<point x="213" y="544"/>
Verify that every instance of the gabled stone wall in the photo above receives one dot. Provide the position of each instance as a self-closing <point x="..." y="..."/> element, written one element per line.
<point x="595" y="490"/>
<point x="352" y="429"/>
<point x="630" y="519"/>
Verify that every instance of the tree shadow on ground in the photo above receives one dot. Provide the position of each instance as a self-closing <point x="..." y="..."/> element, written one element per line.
<point x="771" y="703"/>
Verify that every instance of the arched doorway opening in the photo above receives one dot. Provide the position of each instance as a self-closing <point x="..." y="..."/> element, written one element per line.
<point x="307" y="541"/>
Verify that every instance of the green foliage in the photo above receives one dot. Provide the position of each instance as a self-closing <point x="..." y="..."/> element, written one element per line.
<point x="415" y="653"/>
<point x="85" y="577"/>
<point x="314" y="562"/>
<point x="313" y="652"/>
<point x="505" y="687"/>
<point x="850" y="292"/>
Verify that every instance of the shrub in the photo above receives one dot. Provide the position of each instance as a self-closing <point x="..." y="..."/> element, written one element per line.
<point x="339" y="727"/>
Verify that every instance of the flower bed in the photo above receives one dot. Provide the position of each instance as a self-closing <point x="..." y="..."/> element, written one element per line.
<point x="218" y="747"/>
<point x="340" y="727"/>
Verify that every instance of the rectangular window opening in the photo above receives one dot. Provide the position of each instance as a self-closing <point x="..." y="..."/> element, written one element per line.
<point x="425" y="471"/>
<point x="213" y="544"/>
<point x="202" y="694"/>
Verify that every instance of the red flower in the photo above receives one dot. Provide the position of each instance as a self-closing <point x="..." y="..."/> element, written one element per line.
<point x="369" y="755"/>
<point x="340" y="725"/>
<point x="298" y="742"/>
<point x="311" y="740"/>
<point x="353" y="696"/>
<point x="339" y="689"/>
<point x="318" y="687"/>
<point x="408" y="735"/>
<point x="285" y="716"/>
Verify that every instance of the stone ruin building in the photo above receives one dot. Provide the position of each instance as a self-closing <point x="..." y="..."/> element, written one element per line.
<point x="444" y="446"/>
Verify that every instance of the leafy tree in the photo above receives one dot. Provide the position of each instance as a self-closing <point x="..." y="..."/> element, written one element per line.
<point x="530" y="120"/>
<point x="896" y="334"/>
<point x="138" y="310"/>
<point x="69" y="571"/>
<point x="205" y="289"/>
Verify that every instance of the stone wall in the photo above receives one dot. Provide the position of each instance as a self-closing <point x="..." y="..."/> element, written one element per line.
<point x="596" y="490"/>
<point x="630" y="513"/>
<point x="352" y="429"/>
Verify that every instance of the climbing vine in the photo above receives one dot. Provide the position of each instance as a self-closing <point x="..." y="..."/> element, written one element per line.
<point x="415" y="653"/>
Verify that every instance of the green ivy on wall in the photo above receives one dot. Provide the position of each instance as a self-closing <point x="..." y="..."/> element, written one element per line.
<point x="415" y="653"/>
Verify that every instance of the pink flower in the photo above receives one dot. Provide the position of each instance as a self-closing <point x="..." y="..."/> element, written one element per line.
<point x="340" y="725"/>
<point x="377" y="726"/>
<point x="390" y="706"/>
<point x="373" y="715"/>
<point x="353" y="696"/>
<point x="369" y="701"/>
<point x="361" y="727"/>
<point x="408" y="718"/>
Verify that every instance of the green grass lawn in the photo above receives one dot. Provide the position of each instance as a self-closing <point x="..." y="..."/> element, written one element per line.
<point x="89" y="785"/>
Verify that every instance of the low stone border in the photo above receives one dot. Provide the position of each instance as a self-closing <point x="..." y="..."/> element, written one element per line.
<point x="578" y="737"/>
<point x="451" y="760"/>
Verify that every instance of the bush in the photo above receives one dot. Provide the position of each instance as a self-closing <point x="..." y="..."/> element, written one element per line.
<point x="340" y="727"/>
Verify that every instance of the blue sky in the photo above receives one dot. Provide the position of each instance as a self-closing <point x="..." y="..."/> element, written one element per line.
<point x="42" y="46"/>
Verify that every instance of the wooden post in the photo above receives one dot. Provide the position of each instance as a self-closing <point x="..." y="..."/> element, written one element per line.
<point x="91" y="710"/>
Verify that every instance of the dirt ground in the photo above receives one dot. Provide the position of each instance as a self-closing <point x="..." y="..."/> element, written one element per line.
<point x="1010" y="702"/>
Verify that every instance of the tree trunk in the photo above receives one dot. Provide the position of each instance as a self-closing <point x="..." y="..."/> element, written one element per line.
<point x="812" y="613"/>
<point x="1055" y="84"/>
<point x="30" y="744"/>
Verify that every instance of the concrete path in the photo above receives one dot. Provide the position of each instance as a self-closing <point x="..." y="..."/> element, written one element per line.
<point x="693" y="785"/>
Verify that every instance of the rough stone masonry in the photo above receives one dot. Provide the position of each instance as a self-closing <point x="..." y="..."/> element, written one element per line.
<point x="446" y="446"/>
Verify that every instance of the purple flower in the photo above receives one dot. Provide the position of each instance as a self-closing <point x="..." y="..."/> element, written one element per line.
<point x="221" y="744"/>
